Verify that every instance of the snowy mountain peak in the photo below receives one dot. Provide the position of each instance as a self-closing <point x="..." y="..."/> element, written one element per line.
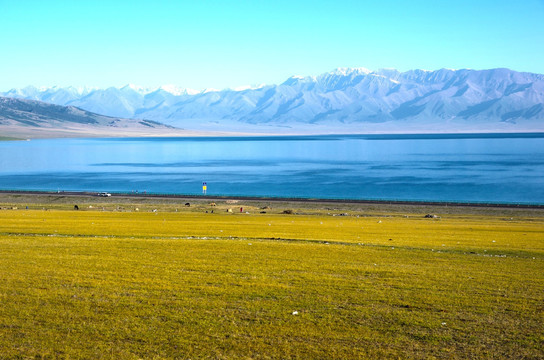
<point x="178" y="90"/>
<point x="169" y="88"/>
<point x="387" y="72"/>
<point x="83" y="90"/>
<point x="297" y="79"/>
<point x="209" y="90"/>
<point x="344" y="71"/>
<point x="139" y="89"/>
<point x="248" y="87"/>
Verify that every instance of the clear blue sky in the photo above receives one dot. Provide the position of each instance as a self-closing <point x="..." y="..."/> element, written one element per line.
<point x="208" y="43"/>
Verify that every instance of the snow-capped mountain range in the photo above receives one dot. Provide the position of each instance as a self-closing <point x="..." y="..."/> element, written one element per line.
<point x="346" y="100"/>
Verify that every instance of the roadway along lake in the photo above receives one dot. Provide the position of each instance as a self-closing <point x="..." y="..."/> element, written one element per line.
<point x="474" y="168"/>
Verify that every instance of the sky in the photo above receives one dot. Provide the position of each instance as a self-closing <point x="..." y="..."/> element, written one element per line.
<point x="220" y="44"/>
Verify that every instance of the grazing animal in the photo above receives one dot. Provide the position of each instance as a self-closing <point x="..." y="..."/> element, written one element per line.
<point x="76" y="207"/>
<point x="187" y="204"/>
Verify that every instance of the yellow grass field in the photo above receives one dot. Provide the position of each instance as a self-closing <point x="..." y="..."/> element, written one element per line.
<point x="111" y="282"/>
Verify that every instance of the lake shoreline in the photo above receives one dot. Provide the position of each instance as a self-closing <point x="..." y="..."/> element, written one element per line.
<point x="46" y="133"/>
<point x="304" y="202"/>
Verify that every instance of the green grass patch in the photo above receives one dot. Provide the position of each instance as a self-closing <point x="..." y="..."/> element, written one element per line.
<point x="7" y="138"/>
<point x="124" y="284"/>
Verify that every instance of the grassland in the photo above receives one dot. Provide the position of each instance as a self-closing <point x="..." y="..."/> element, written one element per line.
<point x="155" y="279"/>
<point x="7" y="138"/>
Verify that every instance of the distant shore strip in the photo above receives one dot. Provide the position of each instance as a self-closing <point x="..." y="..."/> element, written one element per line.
<point x="278" y="199"/>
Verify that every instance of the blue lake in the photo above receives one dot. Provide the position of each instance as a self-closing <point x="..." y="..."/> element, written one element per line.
<point x="461" y="168"/>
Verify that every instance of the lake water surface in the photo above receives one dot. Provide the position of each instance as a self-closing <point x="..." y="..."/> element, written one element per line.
<point x="461" y="168"/>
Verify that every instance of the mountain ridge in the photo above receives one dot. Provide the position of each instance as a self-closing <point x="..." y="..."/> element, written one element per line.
<point x="31" y="118"/>
<point x="343" y="100"/>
